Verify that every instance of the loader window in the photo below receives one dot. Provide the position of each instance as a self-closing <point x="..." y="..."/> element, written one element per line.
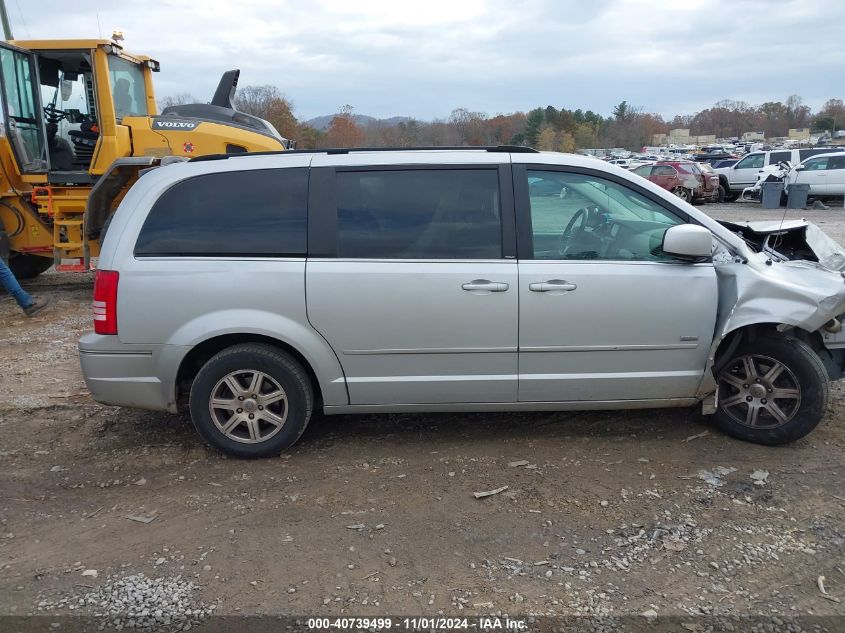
<point x="260" y="213"/>
<point x="127" y="87"/>
<point x="23" y="114"/>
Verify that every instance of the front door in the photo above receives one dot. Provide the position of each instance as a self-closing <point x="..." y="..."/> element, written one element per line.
<point x="22" y="114"/>
<point x="604" y="314"/>
<point x="744" y="173"/>
<point x="416" y="290"/>
<point x="815" y="174"/>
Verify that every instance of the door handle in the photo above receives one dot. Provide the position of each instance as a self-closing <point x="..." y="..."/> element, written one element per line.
<point x="552" y="285"/>
<point x="485" y="285"/>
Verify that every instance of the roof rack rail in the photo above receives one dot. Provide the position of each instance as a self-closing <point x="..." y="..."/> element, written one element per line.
<point x="513" y="149"/>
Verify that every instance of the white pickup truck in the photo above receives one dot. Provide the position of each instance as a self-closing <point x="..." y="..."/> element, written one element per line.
<point x="743" y="174"/>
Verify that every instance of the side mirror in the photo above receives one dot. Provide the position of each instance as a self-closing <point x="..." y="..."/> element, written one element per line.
<point x="689" y="241"/>
<point x="800" y="168"/>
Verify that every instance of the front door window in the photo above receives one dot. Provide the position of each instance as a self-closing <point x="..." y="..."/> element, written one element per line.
<point x="24" y="123"/>
<point x="594" y="218"/>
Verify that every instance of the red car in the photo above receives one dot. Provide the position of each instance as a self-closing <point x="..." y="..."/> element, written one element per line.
<point x="689" y="181"/>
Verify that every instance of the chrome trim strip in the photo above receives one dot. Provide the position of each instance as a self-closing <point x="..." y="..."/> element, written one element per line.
<point x="432" y="350"/>
<point x="606" y="348"/>
<point x="442" y="378"/>
<point x="91" y="352"/>
<point x="635" y="375"/>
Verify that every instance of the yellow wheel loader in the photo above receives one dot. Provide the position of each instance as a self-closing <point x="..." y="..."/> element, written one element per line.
<point x="80" y="125"/>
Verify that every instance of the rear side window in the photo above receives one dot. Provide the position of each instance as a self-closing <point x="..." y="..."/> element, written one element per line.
<point x="664" y="170"/>
<point x="804" y="153"/>
<point x="836" y="162"/>
<point x="419" y="214"/>
<point x="239" y="213"/>
<point x="776" y="157"/>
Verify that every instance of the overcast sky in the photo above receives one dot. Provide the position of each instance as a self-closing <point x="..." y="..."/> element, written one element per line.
<point x="425" y="58"/>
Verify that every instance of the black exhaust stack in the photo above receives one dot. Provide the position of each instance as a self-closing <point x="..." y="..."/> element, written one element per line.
<point x="224" y="96"/>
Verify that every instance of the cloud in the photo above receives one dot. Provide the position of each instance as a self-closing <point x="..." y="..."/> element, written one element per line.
<point x="424" y="59"/>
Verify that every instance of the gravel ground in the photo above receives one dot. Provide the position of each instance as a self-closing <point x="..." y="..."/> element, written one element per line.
<point x="125" y="515"/>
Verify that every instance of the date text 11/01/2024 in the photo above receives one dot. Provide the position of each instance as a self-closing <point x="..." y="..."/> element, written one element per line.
<point x="482" y="623"/>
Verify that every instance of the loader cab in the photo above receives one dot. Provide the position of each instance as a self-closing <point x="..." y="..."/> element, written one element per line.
<point x="63" y="104"/>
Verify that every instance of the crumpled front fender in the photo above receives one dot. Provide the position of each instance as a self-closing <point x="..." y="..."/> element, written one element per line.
<point x="796" y="294"/>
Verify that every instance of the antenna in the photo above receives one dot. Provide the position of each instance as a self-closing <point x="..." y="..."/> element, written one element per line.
<point x="779" y="238"/>
<point x="23" y="20"/>
<point x="99" y="28"/>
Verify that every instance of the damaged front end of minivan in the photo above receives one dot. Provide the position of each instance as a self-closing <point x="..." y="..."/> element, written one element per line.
<point x="791" y="281"/>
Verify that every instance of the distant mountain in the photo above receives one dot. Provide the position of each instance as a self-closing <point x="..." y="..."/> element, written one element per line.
<point x="322" y="122"/>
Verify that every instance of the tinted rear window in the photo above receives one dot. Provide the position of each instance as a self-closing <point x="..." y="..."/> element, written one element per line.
<point x="419" y="214"/>
<point x="776" y="157"/>
<point x="239" y="213"/>
<point x="805" y="153"/>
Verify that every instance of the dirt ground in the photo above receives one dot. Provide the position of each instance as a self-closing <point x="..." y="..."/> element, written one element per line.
<point x="605" y="513"/>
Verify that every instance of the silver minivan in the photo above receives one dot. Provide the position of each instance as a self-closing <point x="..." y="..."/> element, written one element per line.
<point x="253" y="289"/>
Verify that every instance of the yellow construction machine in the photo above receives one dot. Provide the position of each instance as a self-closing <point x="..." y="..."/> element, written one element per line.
<point x="80" y="124"/>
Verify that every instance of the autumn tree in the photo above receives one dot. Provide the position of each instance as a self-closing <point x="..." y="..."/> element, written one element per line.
<point x="343" y="131"/>
<point x="268" y="103"/>
<point x="308" y="137"/>
<point x="546" y="140"/>
<point x="831" y="117"/>
<point x="797" y="114"/>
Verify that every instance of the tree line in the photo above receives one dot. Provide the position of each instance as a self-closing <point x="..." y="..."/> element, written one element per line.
<point x="546" y="128"/>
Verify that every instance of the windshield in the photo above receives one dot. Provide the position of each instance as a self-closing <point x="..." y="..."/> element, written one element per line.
<point x="127" y="87"/>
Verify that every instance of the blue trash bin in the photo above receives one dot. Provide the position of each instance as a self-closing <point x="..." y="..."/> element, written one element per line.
<point x="797" y="198"/>
<point x="771" y="193"/>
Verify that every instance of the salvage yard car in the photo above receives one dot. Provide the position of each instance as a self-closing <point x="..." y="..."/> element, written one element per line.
<point x="742" y="174"/>
<point x="687" y="180"/>
<point x="824" y="173"/>
<point x="253" y="290"/>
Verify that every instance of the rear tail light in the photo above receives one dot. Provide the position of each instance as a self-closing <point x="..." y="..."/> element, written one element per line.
<point x="105" y="301"/>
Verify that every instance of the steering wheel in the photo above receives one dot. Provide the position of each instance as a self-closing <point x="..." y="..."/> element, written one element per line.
<point x="570" y="231"/>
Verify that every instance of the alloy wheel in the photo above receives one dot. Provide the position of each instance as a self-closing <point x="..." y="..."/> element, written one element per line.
<point x="248" y="406"/>
<point x="759" y="392"/>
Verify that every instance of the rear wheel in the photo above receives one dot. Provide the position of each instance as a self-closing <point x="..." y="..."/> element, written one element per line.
<point x="772" y="392"/>
<point x="251" y="400"/>
<point x="29" y="266"/>
<point x="683" y="193"/>
<point x="722" y="195"/>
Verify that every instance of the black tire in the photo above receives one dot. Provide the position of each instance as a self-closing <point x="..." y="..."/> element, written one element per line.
<point x="242" y="360"/>
<point x="722" y="195"/>
<point x="29" y="266"/>
<point x="731" y="197"/>
<point x="801" y="371"/>
<point x="683" y="193"/>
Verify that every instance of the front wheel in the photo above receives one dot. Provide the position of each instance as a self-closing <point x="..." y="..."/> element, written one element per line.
<point x="251" y="400"/>
<point x="773" y="391"/>
<point x="29" y="266"/>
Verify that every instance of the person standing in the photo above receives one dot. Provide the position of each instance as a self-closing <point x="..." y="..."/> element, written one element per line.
<point x="29" y="304"/>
